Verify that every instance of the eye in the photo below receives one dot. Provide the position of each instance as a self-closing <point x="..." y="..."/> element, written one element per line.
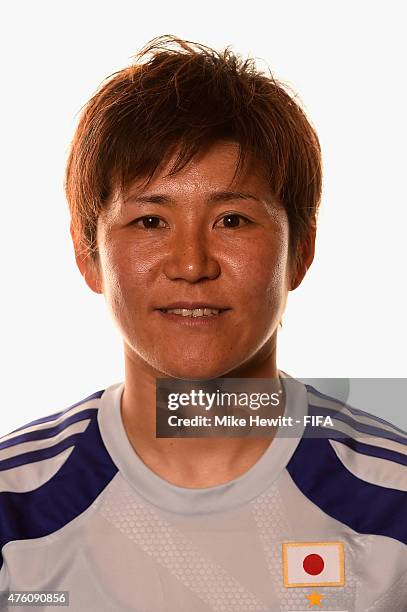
<point x="233" y="221"/>
<point x="149" y="222"/>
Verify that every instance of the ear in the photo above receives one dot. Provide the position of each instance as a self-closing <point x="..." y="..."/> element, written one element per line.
<point x="88" y="267"/>
<point x="304" y="258"/>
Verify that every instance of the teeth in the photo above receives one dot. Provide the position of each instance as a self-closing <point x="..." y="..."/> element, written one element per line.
<point x="207" y="312"/>
<point x="196" y="312"/>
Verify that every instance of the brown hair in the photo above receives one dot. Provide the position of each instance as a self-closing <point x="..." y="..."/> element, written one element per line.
<point x="180" y="92"/>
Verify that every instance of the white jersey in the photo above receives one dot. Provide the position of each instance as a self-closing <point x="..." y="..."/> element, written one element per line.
<point x="315" y="523"/>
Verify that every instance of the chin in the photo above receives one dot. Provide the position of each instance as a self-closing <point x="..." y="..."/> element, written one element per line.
<point x="193" y="371"/>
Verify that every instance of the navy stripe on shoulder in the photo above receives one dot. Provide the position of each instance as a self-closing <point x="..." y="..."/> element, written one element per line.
<point x="363" y="428"/>
<point x="364" y="507"/>
<point x="49" y="432"/>
<point x="368" y="449"/>
<point x="355" y="411"/>
<point x="80" y="480"/>
<point x="40" y="454"/>
<point x="55" y="415"/>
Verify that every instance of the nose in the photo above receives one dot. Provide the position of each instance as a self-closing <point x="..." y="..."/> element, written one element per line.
<point x="189" y="258"/>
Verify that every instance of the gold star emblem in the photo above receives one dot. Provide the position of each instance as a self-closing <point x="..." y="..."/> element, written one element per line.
<point x="315" y="599"/>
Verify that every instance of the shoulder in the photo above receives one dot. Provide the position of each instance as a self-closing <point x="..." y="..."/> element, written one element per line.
<point x="34" y="452"/>
<point x="355" y="469"/>
<point x="51" y="470"/>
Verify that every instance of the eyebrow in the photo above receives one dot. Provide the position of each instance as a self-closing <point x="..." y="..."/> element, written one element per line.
<point x="216" y="196"/>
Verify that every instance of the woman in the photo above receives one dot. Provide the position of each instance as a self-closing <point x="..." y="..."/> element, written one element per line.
<point x="193" y="184"/>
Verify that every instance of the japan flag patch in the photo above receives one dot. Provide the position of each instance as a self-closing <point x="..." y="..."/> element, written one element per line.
<point x="313" y="564"/>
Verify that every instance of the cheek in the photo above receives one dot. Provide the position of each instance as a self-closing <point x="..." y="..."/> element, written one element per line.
<point x="125" y="269"/>
<point x="260" y="271"/>
<point x="125" y="280"/>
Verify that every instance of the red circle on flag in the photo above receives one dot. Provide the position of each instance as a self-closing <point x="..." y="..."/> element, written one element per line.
<point x="313" y="564"/>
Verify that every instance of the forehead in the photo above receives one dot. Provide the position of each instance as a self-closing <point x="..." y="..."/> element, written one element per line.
<point x="213" y="168"/>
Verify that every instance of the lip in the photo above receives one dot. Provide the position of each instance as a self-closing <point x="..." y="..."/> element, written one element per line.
<point x="170" y="317"/>
<point x="194" y="322"/>
<point x="192" y="306"/>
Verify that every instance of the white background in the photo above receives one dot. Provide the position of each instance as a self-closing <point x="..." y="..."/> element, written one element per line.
<point x="347" y="62"/>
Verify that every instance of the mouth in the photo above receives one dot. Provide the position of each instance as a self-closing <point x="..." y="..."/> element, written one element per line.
<point x="193" y="311"/>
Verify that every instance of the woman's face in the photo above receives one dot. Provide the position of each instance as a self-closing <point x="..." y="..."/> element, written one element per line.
<point x="196" y="242"/>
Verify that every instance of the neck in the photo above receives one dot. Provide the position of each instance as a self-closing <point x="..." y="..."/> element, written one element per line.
<point x="188" y="462"/>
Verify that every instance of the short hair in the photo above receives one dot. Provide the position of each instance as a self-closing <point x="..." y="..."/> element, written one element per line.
<point x="185" y="94"/>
